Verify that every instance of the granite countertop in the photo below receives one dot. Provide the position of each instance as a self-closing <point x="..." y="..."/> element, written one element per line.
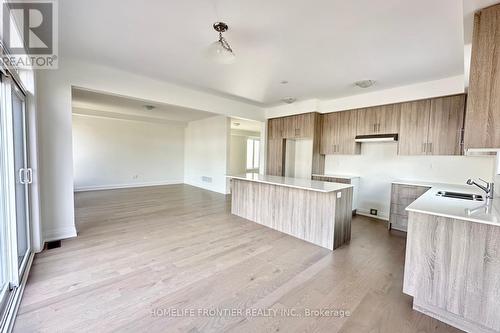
<point x="300" y="183"/>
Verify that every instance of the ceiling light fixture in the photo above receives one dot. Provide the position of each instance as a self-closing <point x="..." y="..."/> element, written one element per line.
<point x="149" y="107"/>
<point x="220" y="51"/>
<point x="288" y="100"/>
<point x="365" y="83"/>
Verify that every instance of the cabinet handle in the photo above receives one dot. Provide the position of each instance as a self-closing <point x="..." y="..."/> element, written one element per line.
<point x="375" y="128"/>
<point x="378" y="127"/>
<point x="297" y="132"/>
<point x="423" y="147"/>
<point x="430" y="147"/>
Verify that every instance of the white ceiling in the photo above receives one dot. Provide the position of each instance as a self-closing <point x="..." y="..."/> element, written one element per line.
<point x="106" y="105"/>
<point x="246" y="125"/>
<point x="320" y="46"/>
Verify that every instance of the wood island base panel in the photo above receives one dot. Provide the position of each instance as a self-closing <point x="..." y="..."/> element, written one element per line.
<point x="321" y="218"/>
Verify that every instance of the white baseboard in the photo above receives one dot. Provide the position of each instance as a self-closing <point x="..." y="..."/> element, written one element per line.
<point x="118" y="186"/>
<point x="59" y="233"/>
<point x="205" y="187"/>
<point x="366" y="212"/>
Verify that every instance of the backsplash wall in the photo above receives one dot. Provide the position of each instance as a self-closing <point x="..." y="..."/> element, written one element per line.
<point x="379" y="165"/>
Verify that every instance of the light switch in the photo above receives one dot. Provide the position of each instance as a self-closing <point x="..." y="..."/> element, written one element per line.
<point x="339" y="195"/>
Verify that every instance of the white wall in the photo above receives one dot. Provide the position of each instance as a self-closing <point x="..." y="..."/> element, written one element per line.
<point x="206" y="152"/>
<point x="379" y="165"/>
<point x="114" y="153"/>
<point x="238" y="154"/>
<point x="55" y="126"/>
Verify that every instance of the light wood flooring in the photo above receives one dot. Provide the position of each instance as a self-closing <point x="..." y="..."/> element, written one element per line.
<point x="178" y="247"/>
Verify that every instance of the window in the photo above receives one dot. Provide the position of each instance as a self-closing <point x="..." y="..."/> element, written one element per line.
<point x="253" y="153"/>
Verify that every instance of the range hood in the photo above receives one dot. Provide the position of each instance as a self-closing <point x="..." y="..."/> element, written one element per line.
<point x="377" y="138"/>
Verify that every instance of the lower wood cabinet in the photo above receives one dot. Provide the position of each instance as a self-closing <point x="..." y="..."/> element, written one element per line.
<point x="401" y="197"/>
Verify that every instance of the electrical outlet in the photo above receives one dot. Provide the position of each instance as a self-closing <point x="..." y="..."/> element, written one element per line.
<point x="373" y="212"/>
<point x="135" y="176"/>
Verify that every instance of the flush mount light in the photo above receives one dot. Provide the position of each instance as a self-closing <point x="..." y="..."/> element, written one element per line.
<point x="365" y="83"/>
<point x="149" y="107"/>
<point x="284" y="82"/>
<point x="288" y="100"/>
<point x="220" y="51"/>
<point x="236" y="124"/>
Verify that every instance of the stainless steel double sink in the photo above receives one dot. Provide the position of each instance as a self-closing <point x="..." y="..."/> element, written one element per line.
<point x="458" y="195"/>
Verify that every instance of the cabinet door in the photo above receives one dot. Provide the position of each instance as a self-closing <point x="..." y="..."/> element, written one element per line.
<point x="346" y="126"/>
<point x="482" y="119"/>
<point x="306" y="125"/>
<point x="329" y="134"/>
<point x="367" y="120"/>
<point x="275" y="156"/>
<point x="401" y="197"/>
<point x="289" y="127"/>
<point x="445" y="125"/>
<point x="275" y="128"/>
<point x="299" y="126"/>
<point x="379" y="120"/>
<point x="414" y="127"/>
<point x="388" y="119"/>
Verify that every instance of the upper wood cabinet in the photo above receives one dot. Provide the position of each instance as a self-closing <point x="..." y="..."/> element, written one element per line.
<point x="379" y="120"/>
<point x="299" y="126"/>
<point x="338" y="133"/>
<point x="275" y="128"/>
<point x="414" y="128"/>
<point x="482" y="120"/>
<point x="432" y="127"/>
<point x="446" y="125"/>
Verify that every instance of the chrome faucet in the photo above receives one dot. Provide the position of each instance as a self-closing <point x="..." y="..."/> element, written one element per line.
<point x="489" y="188"/>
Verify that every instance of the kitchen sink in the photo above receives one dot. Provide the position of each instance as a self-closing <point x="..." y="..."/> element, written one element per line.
<point x="457" y="195"/>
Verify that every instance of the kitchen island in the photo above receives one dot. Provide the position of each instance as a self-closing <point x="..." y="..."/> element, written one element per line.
<point x="314" y="211"/>
<point x="452" y="264"/>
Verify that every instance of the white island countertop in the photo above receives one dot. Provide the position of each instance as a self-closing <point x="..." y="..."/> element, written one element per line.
<point x="300" y="183"/>
<point x="468" y="210"/>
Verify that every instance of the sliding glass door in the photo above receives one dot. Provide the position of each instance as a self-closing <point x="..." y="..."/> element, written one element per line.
<point x="15" y="180"/>
<point x="23" y="177"/>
